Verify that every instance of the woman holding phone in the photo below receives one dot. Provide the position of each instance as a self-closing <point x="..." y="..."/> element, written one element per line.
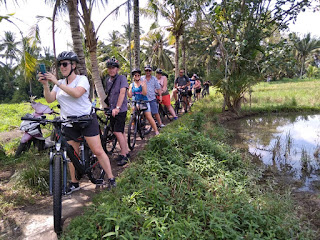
<point x="72" y="93"/>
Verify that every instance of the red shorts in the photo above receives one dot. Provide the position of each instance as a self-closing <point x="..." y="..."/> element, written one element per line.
<point x="165" y="100"/>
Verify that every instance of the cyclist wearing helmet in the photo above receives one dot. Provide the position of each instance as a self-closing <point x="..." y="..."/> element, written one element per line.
<point x="182" y="82"/>
<point x="117" y="101"/>
<point x="163" y="82"/>
<point x="152" y="87"/>
<point x="72" y="93"/>
<point x="138" y="91"/>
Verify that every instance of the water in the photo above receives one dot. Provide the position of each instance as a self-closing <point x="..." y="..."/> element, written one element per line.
<point x="289" y="144"/>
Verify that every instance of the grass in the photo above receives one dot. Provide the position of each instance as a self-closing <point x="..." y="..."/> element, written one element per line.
<point x="187" y="185"/>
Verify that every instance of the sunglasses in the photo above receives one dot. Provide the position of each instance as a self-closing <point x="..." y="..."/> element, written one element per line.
<point x="64" y="64"/>
<point x="137" y="75"/>
<point x="147" y="70"/>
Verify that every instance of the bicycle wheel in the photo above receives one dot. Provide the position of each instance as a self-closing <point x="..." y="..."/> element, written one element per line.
<point x="145" y="126"/>
<point x="57" y="194"/>
<point x="132" y="131"/>
<point x="184" y="106"/>
<point x="161" y="112"/>
<point x="94" y="170"/>
<point x="177" y="107"/>
<point x="108" y="140"/>
<point x="167" y="113"/>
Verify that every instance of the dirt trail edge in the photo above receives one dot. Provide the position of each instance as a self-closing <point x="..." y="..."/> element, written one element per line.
<point x="33" y="222"/>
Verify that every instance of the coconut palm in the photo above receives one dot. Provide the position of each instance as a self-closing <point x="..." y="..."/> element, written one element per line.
<point x="10" y="47"/>
<point x="136" y="33"/>
<point x="305" y="46"/>
<point x="156" y="51"/>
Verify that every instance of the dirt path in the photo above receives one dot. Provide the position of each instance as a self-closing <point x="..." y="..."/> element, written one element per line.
<point x="34" y="222"/>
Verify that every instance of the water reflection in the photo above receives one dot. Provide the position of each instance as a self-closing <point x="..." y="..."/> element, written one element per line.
<point x="290" y="144"/>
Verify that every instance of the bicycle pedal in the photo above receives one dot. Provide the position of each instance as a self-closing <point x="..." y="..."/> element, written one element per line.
<point x="100" y="182"/>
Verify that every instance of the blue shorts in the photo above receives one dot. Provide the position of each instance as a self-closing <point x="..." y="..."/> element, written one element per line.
<point x="154" y="106"/>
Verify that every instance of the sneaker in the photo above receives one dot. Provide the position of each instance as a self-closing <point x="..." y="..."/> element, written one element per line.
<point x="175" y="118"/>
<point x="112" y="183"/>
<point x="73" y="187"/>
<point x="128" y="156"/>
<point x="162" y="125"/>
<point x="121" y="160"/>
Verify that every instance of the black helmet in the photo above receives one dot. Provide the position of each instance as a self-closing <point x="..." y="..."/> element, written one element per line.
<point x="159" y="70"/>
<point x="68" y="56"/>
<point x="136" y="70"/>
<point x="112" y="62"/>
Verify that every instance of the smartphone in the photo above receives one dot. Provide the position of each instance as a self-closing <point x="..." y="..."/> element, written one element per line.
<point x="42" y="68"/>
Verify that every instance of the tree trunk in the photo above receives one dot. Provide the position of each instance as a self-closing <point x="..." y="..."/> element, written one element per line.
<point x="176" y="56"/>
<point x="183" y="48"/>
<point x="76" y="35"/>
<point x="136" y="33"/>
<point x="91" y="43"/>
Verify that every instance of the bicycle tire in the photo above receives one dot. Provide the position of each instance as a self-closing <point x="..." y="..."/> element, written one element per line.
<point x="167" y="113"/>
<point x="57" y="194"/>
<point x="146" y="127"/>
<point x="176" y="107"/>
<point x="162" y="113"/>
<point x="94" y="170"/>
<point x="132" y="132"/>
<point x="184" y="106"/>
<point x="108" y="140"/>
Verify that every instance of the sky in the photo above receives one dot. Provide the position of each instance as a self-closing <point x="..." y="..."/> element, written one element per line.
<point x="25" y="18"/>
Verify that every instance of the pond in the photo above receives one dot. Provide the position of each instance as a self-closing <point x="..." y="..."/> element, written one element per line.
<point x="288" y="144"/>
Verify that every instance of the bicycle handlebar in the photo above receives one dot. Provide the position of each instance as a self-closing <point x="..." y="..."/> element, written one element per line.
<point x="44" y="121"/>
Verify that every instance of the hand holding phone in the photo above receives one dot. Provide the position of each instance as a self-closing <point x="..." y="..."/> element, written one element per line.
<point x="42" y="68"/>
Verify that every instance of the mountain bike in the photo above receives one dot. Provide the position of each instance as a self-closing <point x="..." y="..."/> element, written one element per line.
<point x="85" y="163"/>
<point x="181" y="103"/>
<point x="108" y="139"/>
<point x="138" y="123"/>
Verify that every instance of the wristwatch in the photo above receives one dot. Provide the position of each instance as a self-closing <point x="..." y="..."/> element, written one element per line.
<point x="117" y="107"/>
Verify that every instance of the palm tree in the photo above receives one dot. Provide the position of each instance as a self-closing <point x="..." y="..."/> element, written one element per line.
<point x="305" y="46"/>
<point x="10" y="47"/>
<point x="156" y="50"/>
<point x="177" y="13"/>
<point x="136" y="33"/>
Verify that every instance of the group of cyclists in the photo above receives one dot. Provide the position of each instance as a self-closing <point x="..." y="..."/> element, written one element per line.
<point x="72" y="94"/>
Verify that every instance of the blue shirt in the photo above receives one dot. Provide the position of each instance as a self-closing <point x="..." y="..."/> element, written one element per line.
<point x="137" y="93"/>
<point x="152" y="86"/>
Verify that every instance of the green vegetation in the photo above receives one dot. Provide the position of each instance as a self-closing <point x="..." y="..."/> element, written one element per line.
<point x="186" y="184"/>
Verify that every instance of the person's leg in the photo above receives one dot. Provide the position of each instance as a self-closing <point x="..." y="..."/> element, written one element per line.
<point x="167" y="103"/>
<point x="72" y="170"/>
<point x="175" y="94"/>
<point x="171" y="111"/>
<point x="155" y="111"/>
<point x="121" y="137"/>
<point x="96" y="148"/>
<point x="118" y="124"/>
<point x="151" y="121"/>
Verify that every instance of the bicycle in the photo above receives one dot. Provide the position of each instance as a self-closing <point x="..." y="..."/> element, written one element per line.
<point x="180" y="102"/>
<point x="137" y="123"/>
<point x="85" y="164"/>
<point x="164" y="112"/>
<point x="108" y="139"/>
